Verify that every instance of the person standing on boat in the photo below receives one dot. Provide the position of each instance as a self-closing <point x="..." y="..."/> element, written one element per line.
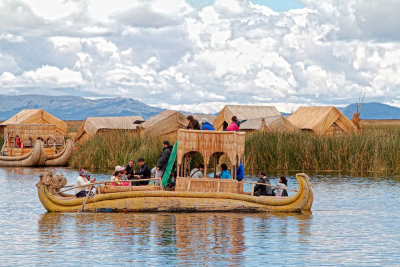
<point x="225" y="173"/>
<point x="143" y="172"/>
<point x="162" y="161"/>
<point x="235" y="125"/>
<point x="205" y="125"/>
<point x="83" y="179"/>
<point x="193" y="123"/>
<point x="239" y="171"/>
<point x="197" y="172"/>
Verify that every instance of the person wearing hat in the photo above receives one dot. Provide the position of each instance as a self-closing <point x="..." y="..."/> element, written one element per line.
<point x="259" y="189"/>
<point x="162" y="161"/>
<point x="205" y="125"/>
<point x="117" y="177"/>
<point x="83" y="179"/>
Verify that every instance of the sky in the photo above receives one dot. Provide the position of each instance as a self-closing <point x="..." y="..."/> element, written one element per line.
<point x="197" y="56"/>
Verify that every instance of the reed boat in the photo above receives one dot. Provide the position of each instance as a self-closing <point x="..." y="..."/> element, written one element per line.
<point x="21" y="142"/>
<point x="61" y="158"/>
<point x="31" y="159"/>
<point x="187" y="194"/>
<point x="151" y="199"/>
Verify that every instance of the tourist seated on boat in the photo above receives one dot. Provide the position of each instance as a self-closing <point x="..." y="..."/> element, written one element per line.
<point x="162" y="161"/>
<point x="197" y="172"/>
<point x="143" y="172"/>
<point x="205" y="125"/>
<point x="83" y="179"/>
<point x="225" y="173"/>
<point x="263" y="190"/>
<point x="239" y="171"/>
<point x="281" y="189"/>
<point x="117" y="177"/>
<point x="129" y="169"/>
<point x="235" y="124"/>
<point x="193" y="123"/>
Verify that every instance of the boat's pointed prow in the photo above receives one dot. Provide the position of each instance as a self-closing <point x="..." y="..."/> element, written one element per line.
<point x="307" y="184"/>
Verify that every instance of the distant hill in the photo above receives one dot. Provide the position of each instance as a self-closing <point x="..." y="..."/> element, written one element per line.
<point x="373" y="111"/>
<point x="75" y="107"/>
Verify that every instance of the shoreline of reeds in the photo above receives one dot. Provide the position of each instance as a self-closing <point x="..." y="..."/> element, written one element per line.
<point x="375" y="149"/>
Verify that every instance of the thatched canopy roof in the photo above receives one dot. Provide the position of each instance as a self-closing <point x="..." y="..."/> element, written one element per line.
<point x="243" y="112"/>
<point x="322" y="120"/>
<point x="274" y="124"/>
<point x="167" y="122"/>
<point x="37" y="116"/>
<point x="94" y="124"/>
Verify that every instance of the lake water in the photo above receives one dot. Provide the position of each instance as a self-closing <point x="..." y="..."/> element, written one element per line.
<point x="355" y="221"/>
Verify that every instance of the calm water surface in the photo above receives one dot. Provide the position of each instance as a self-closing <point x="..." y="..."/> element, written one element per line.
<point x="355" y="221"/>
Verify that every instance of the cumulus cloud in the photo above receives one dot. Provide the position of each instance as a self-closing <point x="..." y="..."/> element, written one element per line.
<point x="175" y="55"/>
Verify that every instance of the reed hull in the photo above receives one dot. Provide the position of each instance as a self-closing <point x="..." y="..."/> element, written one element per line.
<point x="32" y="159"/>
<point x="60" y="159"/>
<point x="172" y="201"/>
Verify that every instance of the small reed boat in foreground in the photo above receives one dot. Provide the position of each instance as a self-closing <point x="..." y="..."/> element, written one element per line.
<point x="189" y="194"/>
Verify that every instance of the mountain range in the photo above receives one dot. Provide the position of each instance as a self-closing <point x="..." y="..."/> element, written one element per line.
<point x="75" y="107"/>
<point x="79" y="108"/>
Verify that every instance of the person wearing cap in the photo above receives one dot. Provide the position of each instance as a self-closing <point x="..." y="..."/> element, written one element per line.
<point x="193" y="123"/>
<point x="259" y="189"/>
<point x="162" y="161"/>
<point x="205" y="125"/>
<point x="83" y="179"/>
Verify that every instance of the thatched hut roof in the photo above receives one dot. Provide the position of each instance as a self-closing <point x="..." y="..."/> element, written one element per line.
<point x="242" y="112"/>
<point x="273" y="124"/>
<point x="167" y="122"/>
<point x="94" y="124"/>
<point x="322" y="120"/>
<point x="37" y="116"/>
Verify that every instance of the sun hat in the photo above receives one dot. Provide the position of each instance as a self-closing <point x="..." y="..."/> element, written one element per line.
<point x="119" y="168"/>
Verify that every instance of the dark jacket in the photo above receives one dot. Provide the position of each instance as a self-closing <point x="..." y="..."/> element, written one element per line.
<point x="129" y="172"/>
<point x="145" y="173"/>
<point x="263" y="190"/>
<point x="260" y="190"/>
<point x="196" y="126"/>
<point x="162" y="161"/>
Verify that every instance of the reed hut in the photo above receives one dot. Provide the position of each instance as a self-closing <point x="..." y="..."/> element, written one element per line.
<point x="278" y="124"/>
<point x="36" y="117"/>
<point x="92" y="125"/>
<point x="165" y="123"/>
<point x="242" y="112"/>
<point x="322" y="121"/>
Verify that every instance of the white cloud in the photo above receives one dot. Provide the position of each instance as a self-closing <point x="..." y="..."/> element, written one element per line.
<point x="170" y="54"/>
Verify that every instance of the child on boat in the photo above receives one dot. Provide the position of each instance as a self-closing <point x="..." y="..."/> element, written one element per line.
<point x="282" y="186"/>
<point x="83" y="179"/>
<point x="235" y="125"/>
<point x="117" y="177"/>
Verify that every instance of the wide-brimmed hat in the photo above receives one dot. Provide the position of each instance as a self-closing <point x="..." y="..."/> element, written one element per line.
<point x="119" y="168"/>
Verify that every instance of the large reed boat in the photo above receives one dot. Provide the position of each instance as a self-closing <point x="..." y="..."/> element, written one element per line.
<point x="188" y="194"/>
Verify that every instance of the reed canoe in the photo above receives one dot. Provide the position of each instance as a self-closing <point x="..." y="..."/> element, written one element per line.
<point x="176" y="201"/>
<point x="31" y="159"/>
<point x="60" y="159"/>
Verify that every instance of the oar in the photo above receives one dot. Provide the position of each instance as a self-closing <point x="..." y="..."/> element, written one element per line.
<point x="86" y="199"/>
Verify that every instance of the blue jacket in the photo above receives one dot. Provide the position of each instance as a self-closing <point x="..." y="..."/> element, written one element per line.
<point x="207" y="126"/>
<point x="239" y="172"/>
<point x="225" y="174"/>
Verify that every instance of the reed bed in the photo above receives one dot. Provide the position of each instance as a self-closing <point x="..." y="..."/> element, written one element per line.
<point x="376" y="149"/>
<point x="107" y="149"/>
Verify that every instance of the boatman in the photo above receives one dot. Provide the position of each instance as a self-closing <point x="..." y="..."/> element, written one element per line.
<point x="83" y="179"/>
<point x="162" y="161"/>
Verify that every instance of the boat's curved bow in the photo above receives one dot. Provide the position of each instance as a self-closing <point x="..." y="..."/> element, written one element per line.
<point x="31" y="159"/>
<point x="61" y="159"/>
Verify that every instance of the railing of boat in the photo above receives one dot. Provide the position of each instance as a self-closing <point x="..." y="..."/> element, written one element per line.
<point x="71" y="187"/>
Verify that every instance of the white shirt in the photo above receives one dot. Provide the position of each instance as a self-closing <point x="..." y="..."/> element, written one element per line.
<point x="81" y="181"/>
